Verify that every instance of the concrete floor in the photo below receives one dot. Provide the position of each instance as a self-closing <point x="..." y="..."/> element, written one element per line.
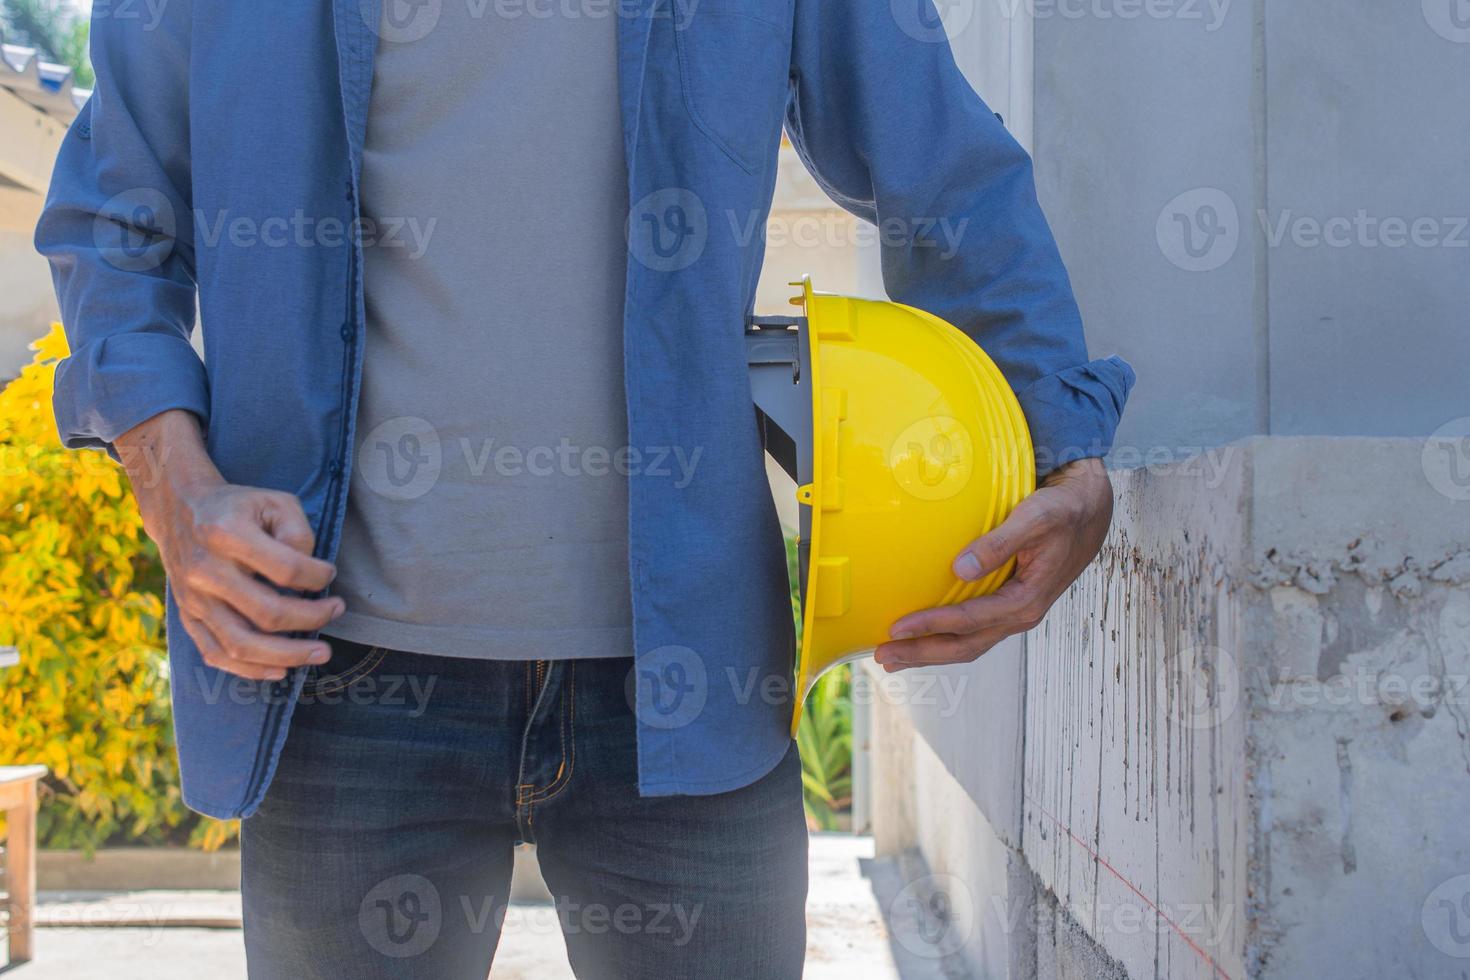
<point x="848" y="937"/>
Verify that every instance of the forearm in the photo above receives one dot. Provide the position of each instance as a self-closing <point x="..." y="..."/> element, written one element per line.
<point x="165" y="456"/>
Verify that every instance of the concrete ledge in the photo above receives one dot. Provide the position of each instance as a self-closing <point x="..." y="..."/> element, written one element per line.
<point x="128" y="869"/>
<point x="125" y="870"/>
<point x="195" y="909"/>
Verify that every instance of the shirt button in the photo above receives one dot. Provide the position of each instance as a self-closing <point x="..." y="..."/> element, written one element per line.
<point x="347" y="330"/>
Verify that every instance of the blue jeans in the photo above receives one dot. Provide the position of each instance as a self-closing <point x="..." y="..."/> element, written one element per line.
<point x="384" y="846"/>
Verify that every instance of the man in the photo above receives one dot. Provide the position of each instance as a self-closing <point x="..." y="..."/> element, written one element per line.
<point x="550" y="604"/>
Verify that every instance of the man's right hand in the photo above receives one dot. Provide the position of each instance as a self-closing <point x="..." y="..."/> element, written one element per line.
<point x="224" y="547"/>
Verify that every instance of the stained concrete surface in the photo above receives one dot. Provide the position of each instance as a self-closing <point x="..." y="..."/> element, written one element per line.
<point x="1245" y="749"/>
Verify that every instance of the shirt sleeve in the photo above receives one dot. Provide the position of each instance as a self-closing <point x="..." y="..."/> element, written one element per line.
<point x="117" y="229"/>
<point x="893" y="131"/>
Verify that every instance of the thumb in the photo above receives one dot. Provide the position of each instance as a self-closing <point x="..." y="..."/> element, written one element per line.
<point x="992" y="550"/>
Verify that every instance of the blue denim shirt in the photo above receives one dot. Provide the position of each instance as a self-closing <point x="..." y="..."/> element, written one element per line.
<point x="219" y="157"/>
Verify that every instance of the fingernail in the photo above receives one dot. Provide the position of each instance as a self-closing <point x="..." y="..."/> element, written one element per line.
<point x="967" y="567"/>
<point x="901" y="633"/>
<point x="319" y="656"/>
<point x="338" y="608"/>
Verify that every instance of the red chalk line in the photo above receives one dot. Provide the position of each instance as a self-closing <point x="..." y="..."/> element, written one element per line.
<point x="1134" y="889"/>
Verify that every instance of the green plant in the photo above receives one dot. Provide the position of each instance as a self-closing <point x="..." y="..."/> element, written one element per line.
<point x="825" y="739"/>
<point x="53" y="28"/>
<point x="825" y="733"/>
<point x="81" y="598"/>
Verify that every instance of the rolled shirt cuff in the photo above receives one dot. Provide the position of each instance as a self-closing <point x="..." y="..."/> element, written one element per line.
<point x="112" y="384"/>
<point x="1074" y="414"/>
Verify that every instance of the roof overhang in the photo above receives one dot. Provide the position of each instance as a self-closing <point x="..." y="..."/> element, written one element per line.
<point x="38" y="101"/>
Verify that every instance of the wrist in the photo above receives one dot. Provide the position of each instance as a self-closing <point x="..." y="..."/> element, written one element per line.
<point x="166" y="454"/>
<point x="1090" y="470"/>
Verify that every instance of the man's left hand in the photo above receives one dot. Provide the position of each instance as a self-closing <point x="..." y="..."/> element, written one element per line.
<point x="1054" y="534"/>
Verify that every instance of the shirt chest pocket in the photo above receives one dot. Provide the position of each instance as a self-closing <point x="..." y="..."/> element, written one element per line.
<point x="734" y="67"/>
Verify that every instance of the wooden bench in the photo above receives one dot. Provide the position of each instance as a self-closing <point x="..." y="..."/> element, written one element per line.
<point x="18" y="800"/>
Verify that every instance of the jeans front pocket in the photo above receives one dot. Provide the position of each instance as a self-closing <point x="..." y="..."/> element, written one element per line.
<point x="350" y="662"/>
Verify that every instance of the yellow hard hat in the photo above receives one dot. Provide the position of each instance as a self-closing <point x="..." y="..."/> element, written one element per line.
<point x="906" y="443"/>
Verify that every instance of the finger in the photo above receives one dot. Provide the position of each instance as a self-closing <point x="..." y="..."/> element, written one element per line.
<point x="285" y="520"/>
<point x="1029" y="521"/>
<point x="202" y="636"/>
<point x="244" y="644"/>
<point x="1010" y="605"/>
<point x="928" y="651"/>
<point x="263" y="606"/>
<point x="213" y="653"/>
<point x="252" y="546"/>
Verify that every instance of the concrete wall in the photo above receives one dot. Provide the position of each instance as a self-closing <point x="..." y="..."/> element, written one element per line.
<point x="29" y="140"/>
<point x="960" y="875"/>
<point x="1135" y="788"/>
<point x="1245" y="735"/>
<point x="1262" y="206"/>
<point x="1247" y="721"/>
<point x="27" y="302"/>
<point x="34" y="116"/>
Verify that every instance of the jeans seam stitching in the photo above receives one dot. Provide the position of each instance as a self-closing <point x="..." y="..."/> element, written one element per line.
<point x="345" y="679"/>
<point x="556" y="786"/>
<point x="525" y="744"/>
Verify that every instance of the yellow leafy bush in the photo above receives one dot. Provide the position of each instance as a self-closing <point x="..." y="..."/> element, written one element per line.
<point x="81" y="597"/>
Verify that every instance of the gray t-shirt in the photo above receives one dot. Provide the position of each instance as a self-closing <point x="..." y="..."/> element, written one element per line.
<point x="488" y="512"/>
